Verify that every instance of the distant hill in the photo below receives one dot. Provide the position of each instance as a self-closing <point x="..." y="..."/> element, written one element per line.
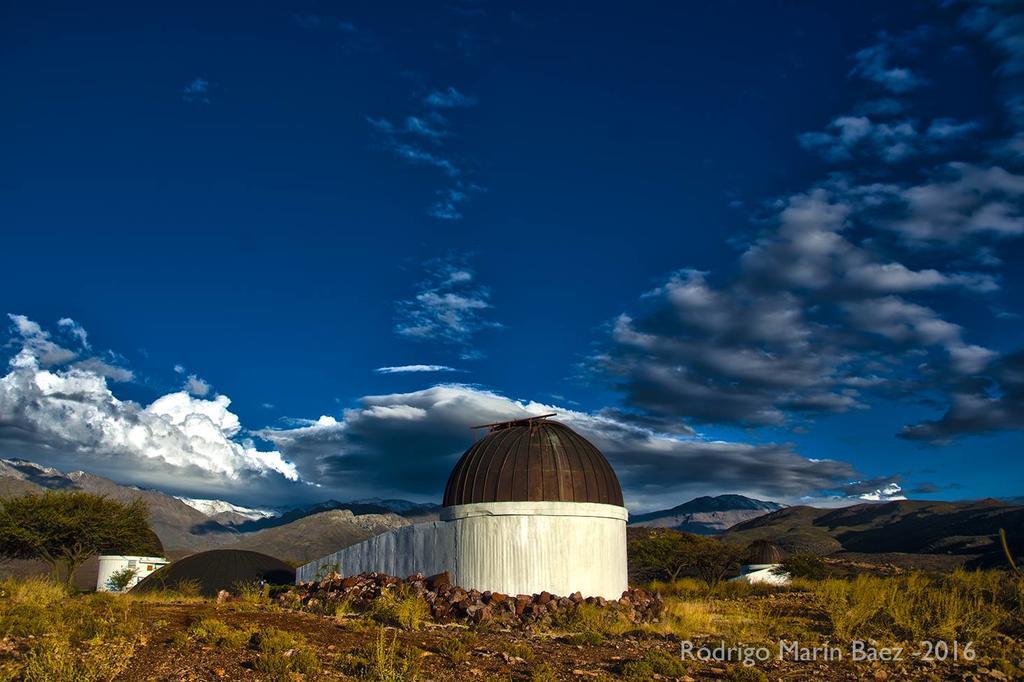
<point x="968" y="529"/>
<point x="706" y="515"/>
<point x="179" y="526"/>
<point x="317" y="535"/>
<point x="415" y="511"/>
<point x="296" y="535"/>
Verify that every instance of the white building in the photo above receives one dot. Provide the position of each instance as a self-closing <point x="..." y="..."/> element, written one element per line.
<point x="112" y="563"/>
<point x="531" y="507"/>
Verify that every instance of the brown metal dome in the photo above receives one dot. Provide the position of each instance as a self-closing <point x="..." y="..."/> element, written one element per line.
<point x="764" y="552"/>
<point x="532" y="460"/>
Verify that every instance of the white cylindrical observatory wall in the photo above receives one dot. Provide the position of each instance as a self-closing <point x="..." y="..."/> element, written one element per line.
<point x="531" y="547"/>
<point x="508" y="547"/>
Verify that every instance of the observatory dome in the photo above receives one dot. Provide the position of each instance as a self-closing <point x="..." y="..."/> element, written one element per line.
<point x="532" y="460"/>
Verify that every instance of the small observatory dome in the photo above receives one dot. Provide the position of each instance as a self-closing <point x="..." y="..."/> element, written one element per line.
<point x="764" y="552"/>
<point x="532" y="460"/>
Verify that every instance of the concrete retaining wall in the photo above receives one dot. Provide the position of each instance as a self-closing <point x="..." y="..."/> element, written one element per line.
<point x="509" y="547"/>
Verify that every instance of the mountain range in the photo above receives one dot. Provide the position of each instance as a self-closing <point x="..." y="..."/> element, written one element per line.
<point x="965" y="531"/>
<point x="962" y="531"/>
<point x="184" y="529"/>
<point x="706" y="515"/>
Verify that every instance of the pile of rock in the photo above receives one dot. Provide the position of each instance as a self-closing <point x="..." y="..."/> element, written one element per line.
<point x="448" y="602"/>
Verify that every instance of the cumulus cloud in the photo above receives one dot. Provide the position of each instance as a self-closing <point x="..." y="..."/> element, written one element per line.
<point x="841" y="294"/>
<point x="38" y="342"/>
<point x="69" y="416"/>
<point x="406" y="444"/>
<point x="961" y="201"/>
<point x="791" y="333"/>
<point x="196" y="386"/>
<point x="857" y="137"/>
<point x="448" y="306"/>
<point x="402" y="369"/>
<point x="401" y="444"/>
<point x="880" y="489"/>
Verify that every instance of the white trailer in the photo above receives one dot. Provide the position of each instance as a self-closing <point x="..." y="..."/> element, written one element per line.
<point x="112" y="563"/>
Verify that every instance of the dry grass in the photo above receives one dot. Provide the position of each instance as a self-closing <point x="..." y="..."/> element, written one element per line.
<point x="55" y="659"/>
<point x="216" y="633"/>
<point x="89" y="637"/>
<point x="691" y="588"/>
<point x="281" y="654"/>
<point x="384" y="660"/>
<point x="252" y="592"/>
<point x="399" y="609"/>
<point x="683" y="618"/>
<point x="964" y="606"/>
<point x="652" y="665"/>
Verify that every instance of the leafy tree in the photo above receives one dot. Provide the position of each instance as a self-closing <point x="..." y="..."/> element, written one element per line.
<point x="671" y="554"/>
<point x="65" y="528"/>
<point x="120" y="579"/>
<point x="803" y="566"/>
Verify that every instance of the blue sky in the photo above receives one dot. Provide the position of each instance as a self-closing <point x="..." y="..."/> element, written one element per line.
<point x="769" y="248"/>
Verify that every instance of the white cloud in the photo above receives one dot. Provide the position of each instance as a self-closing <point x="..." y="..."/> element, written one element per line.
<point x="448" y="306"/>
<point x="892" y="491"/>
<point x="75" y="330"/>
<point x="963" y="201"/>
<point x="196" y="386"/>
<point x="37" y="341"/>
<point x="71" y="417"/>
<point x="406" y="444"/>
<point x="102" y="368"/>
<point x="415" y="368"/>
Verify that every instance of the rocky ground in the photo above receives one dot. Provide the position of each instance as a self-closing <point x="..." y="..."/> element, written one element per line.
<point x="494" y="655"/>
<point x="376" y="627"/>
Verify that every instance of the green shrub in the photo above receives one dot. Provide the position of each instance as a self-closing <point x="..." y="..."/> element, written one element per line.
<point x="654" y="663"/>
<point x="672" y="554"/>
<point x="400" y="609"/>
<point x="591" y="624"/>
<point x="741" y="673"/>
<point x="282" y="653"/>
<point x="519" y="650"/>
<point x="456" y="649"/>
<point x="803" y="566"/>
<point x="385" y="660"/>
<point x="119" y="580"/>
<point x="271" y="639"/>
<point x="543" y="672"/>
<point x="963" y="606"/>
<point x="54" y="659"/>
<point x="188" y="587"/>
<point x="252" y="591"/>
<point x="216" y="633"/>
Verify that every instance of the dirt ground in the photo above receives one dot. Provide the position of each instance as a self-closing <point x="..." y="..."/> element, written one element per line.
<point x="166" y="657"/>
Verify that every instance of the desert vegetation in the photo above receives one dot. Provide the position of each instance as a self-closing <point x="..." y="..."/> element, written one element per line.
<point x="47" y="632"/>
<point x="380" y="628"/>
<point x="65" y="528"/>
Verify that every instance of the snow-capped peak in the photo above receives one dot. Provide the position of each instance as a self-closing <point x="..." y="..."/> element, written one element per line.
<point x="214" y="507"/>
